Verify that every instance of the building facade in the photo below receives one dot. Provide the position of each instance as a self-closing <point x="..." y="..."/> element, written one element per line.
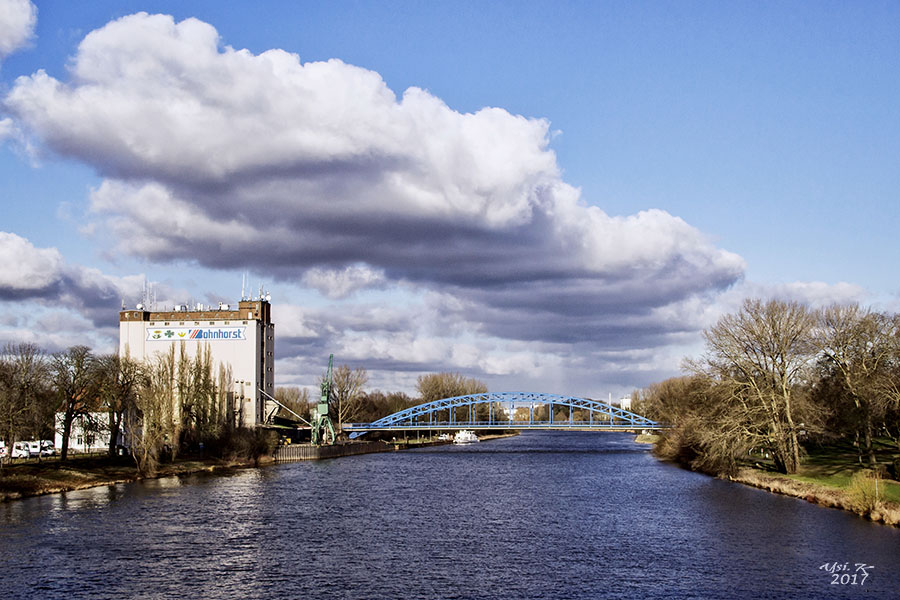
<point x="242" y="338"/>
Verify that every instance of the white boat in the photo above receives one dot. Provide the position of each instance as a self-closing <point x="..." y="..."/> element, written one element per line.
<point x="465" y="436"/>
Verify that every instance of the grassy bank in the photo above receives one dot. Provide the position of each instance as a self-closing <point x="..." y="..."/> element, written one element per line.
<point x="878" y="509"/>
<point x="52" y="476"/>
<point x="832" y="476"/>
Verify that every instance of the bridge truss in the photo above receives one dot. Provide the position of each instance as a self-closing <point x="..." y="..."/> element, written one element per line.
<point x="508" y="410"/>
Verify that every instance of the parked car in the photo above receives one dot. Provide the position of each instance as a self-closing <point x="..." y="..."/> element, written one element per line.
<point x="20" y="450"/>
<point x="3" y="450"/>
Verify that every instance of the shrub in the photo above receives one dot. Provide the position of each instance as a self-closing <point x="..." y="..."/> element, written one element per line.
<point x="244" y="444"/>
<point x="863" y="490"/>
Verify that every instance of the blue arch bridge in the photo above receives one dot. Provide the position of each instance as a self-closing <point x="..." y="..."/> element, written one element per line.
<point x="509" y="410"/>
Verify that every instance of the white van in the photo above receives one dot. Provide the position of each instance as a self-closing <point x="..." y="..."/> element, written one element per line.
<point x="3" y="451"/>
<point x="34" y="448"/>
<point x="20" y="450"/>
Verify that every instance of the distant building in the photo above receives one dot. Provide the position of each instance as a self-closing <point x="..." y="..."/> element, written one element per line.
<point x="625" y="403"/>
<point x="241" y="337"/>
<point x="89" y="433"/>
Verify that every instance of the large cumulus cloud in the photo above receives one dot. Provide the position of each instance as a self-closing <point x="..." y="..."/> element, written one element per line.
<point x="319" y="173"/>
<point x="17" y="21"/>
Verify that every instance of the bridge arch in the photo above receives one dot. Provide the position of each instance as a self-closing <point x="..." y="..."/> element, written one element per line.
<point x="503" y="414"/>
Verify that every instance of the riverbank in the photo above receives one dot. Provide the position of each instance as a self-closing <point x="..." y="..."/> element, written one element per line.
<point x="881" y="511"/>
<point x="830" y="476"/>
<point x="51" y="476"/>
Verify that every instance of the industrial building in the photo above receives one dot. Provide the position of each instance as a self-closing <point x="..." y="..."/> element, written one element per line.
<point x="241" y="337"/>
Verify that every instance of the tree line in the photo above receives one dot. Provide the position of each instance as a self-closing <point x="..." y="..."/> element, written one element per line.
<point x="777" y="376"/>
<point x="163" y="404"/>
<point x="170" y="403"/>
<point x="352" y="403"/>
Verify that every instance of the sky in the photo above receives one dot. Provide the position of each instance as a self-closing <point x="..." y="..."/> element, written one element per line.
<point x="547" y="196"/>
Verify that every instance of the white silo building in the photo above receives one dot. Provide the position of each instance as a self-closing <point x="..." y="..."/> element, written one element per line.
<point x="242" y="337"/>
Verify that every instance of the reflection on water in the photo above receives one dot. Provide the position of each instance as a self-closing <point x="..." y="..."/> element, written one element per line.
<point x="544" y="515"/>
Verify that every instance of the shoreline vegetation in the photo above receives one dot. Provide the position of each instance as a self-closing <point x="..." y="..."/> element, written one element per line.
<point x="795" y="400"/>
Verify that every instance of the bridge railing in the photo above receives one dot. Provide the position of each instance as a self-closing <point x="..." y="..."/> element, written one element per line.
<point x="502" y="408"/>
<point x="455" y="425"/>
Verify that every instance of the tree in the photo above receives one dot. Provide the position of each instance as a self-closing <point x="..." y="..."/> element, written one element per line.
<point x="75" y="377"/>
<point x="347" y="393"/>
<point x="436" y="386"/>
<point x="150" y="418"/>
<point x="857" y="346"/>
<point x="120" y="379"/>
<point x="295" y="399"/>
<point x="26" y="405"/>
<point x="760" y="355"/>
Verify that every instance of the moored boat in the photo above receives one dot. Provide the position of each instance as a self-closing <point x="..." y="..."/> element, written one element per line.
<point x="465" y="436"/>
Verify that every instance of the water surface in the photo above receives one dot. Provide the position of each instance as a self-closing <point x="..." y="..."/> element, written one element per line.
<point x="542" y="515"/>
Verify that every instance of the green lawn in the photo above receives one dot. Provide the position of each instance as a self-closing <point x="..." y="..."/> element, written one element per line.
<point x="835" y="464"/>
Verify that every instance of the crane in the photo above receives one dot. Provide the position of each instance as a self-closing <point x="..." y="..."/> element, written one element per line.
<point x="322" y="432"/>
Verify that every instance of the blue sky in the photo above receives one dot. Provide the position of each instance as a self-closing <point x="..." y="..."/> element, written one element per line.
<point x="644" y="167"/>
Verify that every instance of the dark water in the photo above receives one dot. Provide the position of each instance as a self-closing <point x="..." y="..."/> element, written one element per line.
<point x="543" y="515"/>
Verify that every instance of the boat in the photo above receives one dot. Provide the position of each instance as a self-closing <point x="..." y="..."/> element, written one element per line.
<point x="464" y="436"/>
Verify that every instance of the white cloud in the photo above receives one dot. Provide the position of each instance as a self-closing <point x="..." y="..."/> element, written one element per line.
<point x="318" y="173"/>
<point x="27" y="269"/>
<point x="42" y="276"/>
<point x="17" y="21"/>
<point x="340" y="283"/>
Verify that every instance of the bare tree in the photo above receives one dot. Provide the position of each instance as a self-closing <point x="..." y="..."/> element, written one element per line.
<point x="75" y="377"/>
<point x="436" y="386"/>
<point x="150" y="418"/>
<point x="858" y="345"/>
<point x="120" y="379"/>
<point x="296" y="399"/>
<point x="26" y="405"/>
<point x="347" y="393"/>
<point x="761" y="355"/>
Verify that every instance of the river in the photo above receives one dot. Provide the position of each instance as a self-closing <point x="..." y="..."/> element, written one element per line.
<point x="542" y="515"/>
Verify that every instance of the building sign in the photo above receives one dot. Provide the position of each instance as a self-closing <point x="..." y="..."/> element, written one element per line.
<point x="164" y="334"/>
